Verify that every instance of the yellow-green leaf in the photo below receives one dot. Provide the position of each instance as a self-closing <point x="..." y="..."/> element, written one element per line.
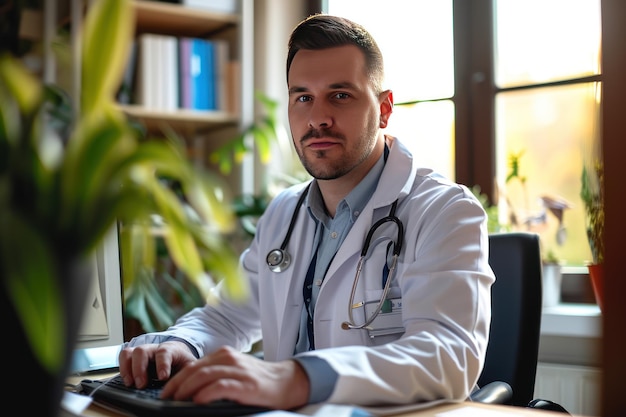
<point x="107" y="36"/>
<point x="22" y="85"/>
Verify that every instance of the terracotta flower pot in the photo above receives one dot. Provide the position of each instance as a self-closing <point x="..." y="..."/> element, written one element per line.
<point x="596" y="273"/>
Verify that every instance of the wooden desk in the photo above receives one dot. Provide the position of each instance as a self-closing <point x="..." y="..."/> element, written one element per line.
<point x="465" y="409"/>
<point x="480" y="410"/>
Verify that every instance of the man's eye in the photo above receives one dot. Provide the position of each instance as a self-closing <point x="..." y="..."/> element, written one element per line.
<point x="341" y="96"/>
<point x="303" y="99"/>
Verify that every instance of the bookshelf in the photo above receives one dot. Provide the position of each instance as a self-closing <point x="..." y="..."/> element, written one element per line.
<point x="177" y="20"/>
<point x="201" y="129"/>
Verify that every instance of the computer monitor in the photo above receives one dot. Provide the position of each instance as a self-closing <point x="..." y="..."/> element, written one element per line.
<point x="102" y="330"/>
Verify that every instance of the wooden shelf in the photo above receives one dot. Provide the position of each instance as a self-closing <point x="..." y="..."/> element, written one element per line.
<point x="173" y="19"/>
<point x="181" y="21"/>
<point x="151" y="17"/>
<point x="182" y="121"/>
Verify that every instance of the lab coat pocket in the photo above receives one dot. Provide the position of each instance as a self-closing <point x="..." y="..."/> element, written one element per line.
<point x="387" y="319"/>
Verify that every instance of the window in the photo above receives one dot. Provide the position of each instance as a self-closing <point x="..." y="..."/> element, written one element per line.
<point x="547" y="115"/>
<point x="420" y="74"/>
<point x="498" y="84"/>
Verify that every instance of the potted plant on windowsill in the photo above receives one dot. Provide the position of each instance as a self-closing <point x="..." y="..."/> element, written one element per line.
<point x="592" y="195"/>
<point x="60" y="194"/>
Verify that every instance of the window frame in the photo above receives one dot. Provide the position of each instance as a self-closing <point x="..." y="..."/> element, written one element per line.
<point x="475" y="92"/>
<point x="474" y="95"/>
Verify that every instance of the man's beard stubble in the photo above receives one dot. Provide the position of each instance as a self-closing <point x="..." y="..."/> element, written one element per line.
<point x="333" y="169"/>
<point x="315" y="170"/>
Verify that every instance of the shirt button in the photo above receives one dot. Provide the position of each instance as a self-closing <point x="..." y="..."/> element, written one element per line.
<point x="333" y="235"/>
<point x="318" y="282"/>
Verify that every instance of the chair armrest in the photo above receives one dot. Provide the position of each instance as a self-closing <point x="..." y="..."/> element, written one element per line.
<point x="547" y="405"/>
<point x="497" y="392"/>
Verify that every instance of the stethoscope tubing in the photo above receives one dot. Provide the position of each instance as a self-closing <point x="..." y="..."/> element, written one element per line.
<point x="278" y="260"/>
<point x="351" y="324"/>
<point x="292" y="222"/>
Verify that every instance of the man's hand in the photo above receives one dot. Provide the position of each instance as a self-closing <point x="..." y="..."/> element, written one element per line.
<point x="231" y="375"/>
<point x="164" y="357"/>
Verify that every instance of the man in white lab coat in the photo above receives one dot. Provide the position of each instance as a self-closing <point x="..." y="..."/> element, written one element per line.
<point x="411" y="325"/>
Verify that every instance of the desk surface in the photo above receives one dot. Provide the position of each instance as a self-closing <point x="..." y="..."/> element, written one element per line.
<point x="448" y="410"/>
<point x="466" y="409"/>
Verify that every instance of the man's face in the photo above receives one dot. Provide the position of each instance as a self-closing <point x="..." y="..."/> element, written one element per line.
<point x="334" y="114"/>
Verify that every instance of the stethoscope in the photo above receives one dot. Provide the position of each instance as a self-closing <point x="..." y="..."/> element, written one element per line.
<point x="279" y="260"/>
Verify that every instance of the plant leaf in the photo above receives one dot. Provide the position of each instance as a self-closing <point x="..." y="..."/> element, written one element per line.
<point x="22" y="85"/>
<point x="109" y="27"/>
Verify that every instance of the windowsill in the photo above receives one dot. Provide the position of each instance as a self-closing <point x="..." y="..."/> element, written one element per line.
<point x="574" y="320"/>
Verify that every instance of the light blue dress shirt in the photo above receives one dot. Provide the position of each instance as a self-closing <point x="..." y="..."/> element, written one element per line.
<point x="330" y="232"/>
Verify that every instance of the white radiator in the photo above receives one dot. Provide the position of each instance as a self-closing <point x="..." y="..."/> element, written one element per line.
<point x="574" y="387"/>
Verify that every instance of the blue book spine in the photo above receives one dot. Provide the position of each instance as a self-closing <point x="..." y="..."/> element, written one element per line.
<point x="199" y="75"/>
<point x="211" y="75"/>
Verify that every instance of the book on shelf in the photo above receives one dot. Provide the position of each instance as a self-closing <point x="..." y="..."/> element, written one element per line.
<point x="196" y="74"/>
<point x="221" y="49"/>
<point x="157" y="72"/>
<point x="147" y="50"/>
<point x="209" y="73"/>
<point x="169" y="60"/>
<point x="182" y="73"/>
<point x="204" y="67"/>
<point x="233" y="87"/>
<point x="184" y="65"/>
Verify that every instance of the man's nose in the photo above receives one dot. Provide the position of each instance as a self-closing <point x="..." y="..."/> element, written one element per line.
<point x="319" y="116"/>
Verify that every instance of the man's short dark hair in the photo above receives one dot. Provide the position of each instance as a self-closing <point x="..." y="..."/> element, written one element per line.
<point x="321" y="31"/>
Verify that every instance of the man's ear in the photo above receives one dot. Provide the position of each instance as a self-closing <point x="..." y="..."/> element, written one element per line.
<point x="386" y="107"/>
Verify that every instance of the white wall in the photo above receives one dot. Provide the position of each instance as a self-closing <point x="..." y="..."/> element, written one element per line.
<point x="274" y="21"/>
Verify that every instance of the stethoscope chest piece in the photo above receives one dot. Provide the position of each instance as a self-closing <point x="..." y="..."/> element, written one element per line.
<point x="278" y="260"/>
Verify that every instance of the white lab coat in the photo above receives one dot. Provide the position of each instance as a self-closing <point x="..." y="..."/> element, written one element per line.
<point x="443" y="277"/>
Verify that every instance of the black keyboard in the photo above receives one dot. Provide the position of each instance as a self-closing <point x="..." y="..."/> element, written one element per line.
<point x="153" y="390"/>
<point x="147" y="402"/>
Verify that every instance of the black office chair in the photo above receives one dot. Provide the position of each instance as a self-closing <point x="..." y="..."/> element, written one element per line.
<point x="508" y="376"/>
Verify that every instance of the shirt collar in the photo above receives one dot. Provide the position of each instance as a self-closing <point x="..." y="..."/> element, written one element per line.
<point x="355" y="201"/>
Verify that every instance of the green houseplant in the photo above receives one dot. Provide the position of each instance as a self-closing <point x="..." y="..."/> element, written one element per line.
<point x="592" y="195"/>
<point x="60" y="195"/>
<point x="159" y="295"/>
